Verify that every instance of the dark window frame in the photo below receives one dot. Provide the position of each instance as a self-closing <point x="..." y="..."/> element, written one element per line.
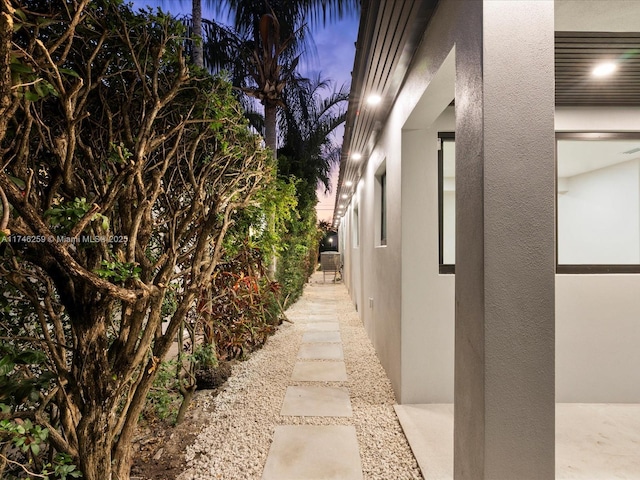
<point x="560" y="268"/>
<point x="383" y="207"/>
<point x="444" y="268"/>
<point x="591" y="268"/>
<point x="380" y="206"/>
<point x="356" y="226"/>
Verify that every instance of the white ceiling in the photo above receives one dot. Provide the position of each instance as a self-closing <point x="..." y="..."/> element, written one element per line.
<point x="597" y="15"/>
<point x="579" y="156"/>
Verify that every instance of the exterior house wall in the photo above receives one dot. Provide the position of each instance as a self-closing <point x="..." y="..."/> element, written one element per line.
<point x="427" y="297"/>
<point x="403" y="312"/>
<point x="596" y="327"/>
<point x="505" y="291"/>
<point x="387" y="271"/>
<point x="379" y="304"/>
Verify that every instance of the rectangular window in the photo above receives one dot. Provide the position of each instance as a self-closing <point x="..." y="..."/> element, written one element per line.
<point x="381" y="205"/>
<point x="447" y="201"/>
<point x="355" y="228"/>
<point x="383" y="209"/>
<point x="598" y="202"/>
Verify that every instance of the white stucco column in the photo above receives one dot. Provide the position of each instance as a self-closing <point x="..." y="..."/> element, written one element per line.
<point x="505" y="254"/>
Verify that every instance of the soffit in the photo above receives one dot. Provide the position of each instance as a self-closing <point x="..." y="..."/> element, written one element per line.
<point x="389" y="34"/>
<point x="577" y="53"/>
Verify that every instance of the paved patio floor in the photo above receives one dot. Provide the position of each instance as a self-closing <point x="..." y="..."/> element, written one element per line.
<point x="593" y="441"/>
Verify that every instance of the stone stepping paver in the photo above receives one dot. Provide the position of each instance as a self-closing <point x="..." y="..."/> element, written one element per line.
<point x="323" y="312"/>
<point x="319" y="372"/>
<point x="321" y="351"/>
<point x="312" y="452"/>
<point x="321" y="337"/>
<point x="318" y="318"/>
<point x="316" y="402"/>
<point x="323" y="326"/>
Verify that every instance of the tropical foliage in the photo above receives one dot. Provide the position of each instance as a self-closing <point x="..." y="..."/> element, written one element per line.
<point x="138" y="208"/>
<point x="124" y="169"/>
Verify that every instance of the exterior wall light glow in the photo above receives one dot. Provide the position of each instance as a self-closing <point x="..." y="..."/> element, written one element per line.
<point x="604" y="69"/>
<point x="340" y="207"/>
<point x="348" y="183"/>
<point x="344" y="195"/>
<point x="374" y="99"/>
<point x="356" y="156"/>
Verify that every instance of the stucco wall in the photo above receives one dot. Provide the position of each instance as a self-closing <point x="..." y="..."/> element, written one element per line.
<point x="597" y="316"/>
<point x="412" y="317"/>
<point x="427" y="296"/>
<point x="372" y="272"/>
<point x="392" y="285"/>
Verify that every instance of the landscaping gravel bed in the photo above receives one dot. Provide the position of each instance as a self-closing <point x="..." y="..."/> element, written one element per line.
<point x="235" y="441"/>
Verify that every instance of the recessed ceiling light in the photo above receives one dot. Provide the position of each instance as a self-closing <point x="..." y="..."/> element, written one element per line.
<point x="340" y="207"/>
<point x="604" y="69"/>
<point x="348" y="183"/>
<point x="344" y="195"/>
<point x="374" y="99"/>
<point x="356" y="156"/>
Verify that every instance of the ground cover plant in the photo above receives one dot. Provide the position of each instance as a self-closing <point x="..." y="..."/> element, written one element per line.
<point x="122" y="169"/>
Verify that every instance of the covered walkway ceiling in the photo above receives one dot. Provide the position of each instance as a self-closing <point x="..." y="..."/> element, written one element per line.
<point x="576" y="55"/>
<point x="389" y="34"/>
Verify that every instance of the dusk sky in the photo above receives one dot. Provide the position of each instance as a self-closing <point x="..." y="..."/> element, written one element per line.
<point x="335" y="45"/>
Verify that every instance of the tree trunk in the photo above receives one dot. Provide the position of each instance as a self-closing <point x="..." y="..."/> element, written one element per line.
<point x="270" y="127"/>
<point x="95" y="445"/>
<point x="187" y="395"/>
<point x="196" y="36"/>
<point x="271" y="141"/>
<point x="6" y="32"/>
<point x="93" y="389"/>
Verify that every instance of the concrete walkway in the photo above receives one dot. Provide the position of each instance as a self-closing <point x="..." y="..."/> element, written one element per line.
<point x="318" y="451"/>
<point x="313" y="404"/>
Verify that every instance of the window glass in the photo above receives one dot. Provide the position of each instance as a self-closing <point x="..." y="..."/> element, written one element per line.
<point x="598" y="202"/>
<point x="383" y="208"/>
<point x="447" y="182"/>
<point x="598" y="199"/>
<point x="355" y="228"/>
<point x="380" y="212"/>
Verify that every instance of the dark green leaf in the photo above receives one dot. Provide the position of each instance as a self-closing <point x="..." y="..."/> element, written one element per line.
<point x="31" y="96"/>
<point x="20" y="68"/>
<point x="68" y="71"/>
<point x="6" y="366"/>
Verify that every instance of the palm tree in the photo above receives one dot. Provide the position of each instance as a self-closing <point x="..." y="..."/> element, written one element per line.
<point x="269" y="39"/>
<point x="309" y="118"/>
<point x="196" y="34"/>
<point x="264" y="51"/>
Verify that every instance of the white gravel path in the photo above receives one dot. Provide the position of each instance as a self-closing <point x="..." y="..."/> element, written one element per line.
<point x="235" y="443"/>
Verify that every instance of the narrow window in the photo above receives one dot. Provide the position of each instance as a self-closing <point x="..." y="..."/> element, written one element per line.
<point x="356" y="227"/>
<point x="383" y="208"/>
<point x="381" y="205"/>
<point x="447" y="201"/>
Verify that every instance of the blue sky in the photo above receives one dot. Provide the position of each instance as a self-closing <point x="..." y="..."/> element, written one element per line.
<point x="335" y="50"/>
